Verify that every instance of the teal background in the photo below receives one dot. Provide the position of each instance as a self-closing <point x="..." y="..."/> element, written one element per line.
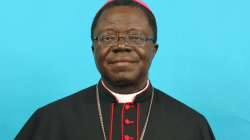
<point x="203" y="58"/>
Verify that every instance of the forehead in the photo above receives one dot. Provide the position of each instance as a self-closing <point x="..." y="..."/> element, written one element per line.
<point x="123" y="19"/>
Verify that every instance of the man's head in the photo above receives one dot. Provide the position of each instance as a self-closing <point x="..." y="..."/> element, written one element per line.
<point x="121" y="63"/>
<point x="129" y="3"/>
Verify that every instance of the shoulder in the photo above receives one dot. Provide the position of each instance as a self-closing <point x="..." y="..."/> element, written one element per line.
<point x="68" y="111"/>
<point x="73" y="101"/>
<point x="174" y="118"/>
<point x="175" y="107"/>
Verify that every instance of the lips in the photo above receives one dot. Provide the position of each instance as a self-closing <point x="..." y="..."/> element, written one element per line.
<point x="121" y="60"/>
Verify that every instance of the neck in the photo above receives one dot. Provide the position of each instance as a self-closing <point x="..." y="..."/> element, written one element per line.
<point x="125" y="88"/>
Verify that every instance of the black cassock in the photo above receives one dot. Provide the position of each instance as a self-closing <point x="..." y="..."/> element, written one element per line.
<point x="76" y="118"/>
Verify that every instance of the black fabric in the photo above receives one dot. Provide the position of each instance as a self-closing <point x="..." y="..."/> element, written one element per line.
<point x="76" y="118"/>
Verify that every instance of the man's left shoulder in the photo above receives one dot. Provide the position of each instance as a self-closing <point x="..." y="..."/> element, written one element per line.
<point x="175" y="118"/>
<point x="175" y="107"/>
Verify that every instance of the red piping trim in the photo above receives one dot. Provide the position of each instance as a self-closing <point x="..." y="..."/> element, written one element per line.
<point x="111" y="121"/>
<point x="138" y="122"/>
<point x="122" y="118"/>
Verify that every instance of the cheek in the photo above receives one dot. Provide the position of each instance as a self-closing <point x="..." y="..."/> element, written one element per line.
<point x="145" y="54"/>
<point x="100" y="54"/>
<point x="151" y="53"/>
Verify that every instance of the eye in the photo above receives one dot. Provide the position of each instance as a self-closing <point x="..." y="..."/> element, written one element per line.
<point x="107" y="38"/>
<point x="135" y="37"/>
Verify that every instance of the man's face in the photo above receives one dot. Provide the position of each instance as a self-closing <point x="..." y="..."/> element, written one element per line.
<point x="123" y="64"/>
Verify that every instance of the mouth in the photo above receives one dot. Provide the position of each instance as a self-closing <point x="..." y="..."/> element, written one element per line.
<point x="122" y="63"/>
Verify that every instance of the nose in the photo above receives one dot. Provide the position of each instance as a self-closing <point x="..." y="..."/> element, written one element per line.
<point x="121" y="45"/>
<point x="121" y="40"/>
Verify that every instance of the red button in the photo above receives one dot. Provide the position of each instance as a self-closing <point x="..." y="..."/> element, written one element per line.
<point x="127" y="107"/>
<point x="127" y="121"/>
<point x="127" y="137"/>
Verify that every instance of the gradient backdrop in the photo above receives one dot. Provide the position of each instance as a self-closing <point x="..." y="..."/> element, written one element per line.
<point x="203" y="58"/>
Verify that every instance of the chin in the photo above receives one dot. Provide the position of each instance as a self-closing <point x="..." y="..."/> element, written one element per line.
<point x="120" y="79"/>
<point x="124" y="78"/>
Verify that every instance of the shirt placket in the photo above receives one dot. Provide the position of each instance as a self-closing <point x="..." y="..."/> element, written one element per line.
<point x="129" y="121"/>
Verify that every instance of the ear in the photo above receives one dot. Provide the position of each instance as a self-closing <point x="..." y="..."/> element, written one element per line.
<point x="93" y="49"/>
<point x="155" y="48"/>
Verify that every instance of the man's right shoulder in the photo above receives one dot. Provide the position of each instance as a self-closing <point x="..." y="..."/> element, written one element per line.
<point x="82" y="97"/>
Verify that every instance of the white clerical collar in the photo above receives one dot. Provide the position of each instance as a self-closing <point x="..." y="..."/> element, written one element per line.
<point x="125" y="98"/>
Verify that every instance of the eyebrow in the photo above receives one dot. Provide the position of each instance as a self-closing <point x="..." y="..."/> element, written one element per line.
<point x="108" y="29"/>
<point x="112" y="30"/>
<point x="136" y="30"/>
<point x="133" y="30"/>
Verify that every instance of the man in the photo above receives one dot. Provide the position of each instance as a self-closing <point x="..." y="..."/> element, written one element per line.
<point x="124" y="104"/>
